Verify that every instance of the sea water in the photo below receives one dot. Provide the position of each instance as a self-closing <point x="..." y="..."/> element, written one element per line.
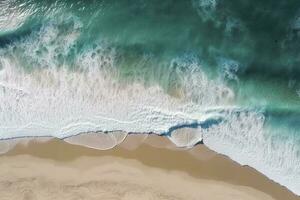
<point x="228" y="71"/>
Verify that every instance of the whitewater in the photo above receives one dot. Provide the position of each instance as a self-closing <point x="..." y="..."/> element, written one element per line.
<point x="53" y="86"/>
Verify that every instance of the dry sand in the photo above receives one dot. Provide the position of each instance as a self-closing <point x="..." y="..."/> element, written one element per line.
<point x="139" y="168"/>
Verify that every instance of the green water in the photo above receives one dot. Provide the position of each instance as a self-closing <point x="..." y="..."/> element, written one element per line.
<point x="250" y="47"/>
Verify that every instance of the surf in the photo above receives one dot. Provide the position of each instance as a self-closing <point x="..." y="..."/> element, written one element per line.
<point x="73" y="74"/>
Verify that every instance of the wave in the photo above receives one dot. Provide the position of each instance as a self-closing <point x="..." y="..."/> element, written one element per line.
<point x="52" y="86"/>
<point x="13" y="15"/>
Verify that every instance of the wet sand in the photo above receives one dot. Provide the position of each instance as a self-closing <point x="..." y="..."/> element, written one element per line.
<point x="139" y="168"/>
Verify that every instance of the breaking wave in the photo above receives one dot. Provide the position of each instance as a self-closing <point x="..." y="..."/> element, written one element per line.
<point x="53" y="85"/>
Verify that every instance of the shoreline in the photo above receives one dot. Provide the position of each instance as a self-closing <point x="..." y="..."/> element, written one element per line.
<point x="158" y="152"/>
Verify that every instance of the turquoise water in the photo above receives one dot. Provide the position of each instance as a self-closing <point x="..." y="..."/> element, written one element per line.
<point x="68" y="67"/>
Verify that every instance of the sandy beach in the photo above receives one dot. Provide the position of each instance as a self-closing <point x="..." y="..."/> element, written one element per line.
<point x="139" y="168"/>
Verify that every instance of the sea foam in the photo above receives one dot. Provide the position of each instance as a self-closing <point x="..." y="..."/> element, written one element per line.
<point x="43" y="95"/>
<point x="12" y="15"/>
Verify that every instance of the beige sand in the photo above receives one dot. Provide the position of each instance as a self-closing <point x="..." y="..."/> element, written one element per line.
<point x="57" y="170"/>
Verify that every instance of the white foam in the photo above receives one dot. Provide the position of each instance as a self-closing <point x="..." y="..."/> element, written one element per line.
<point x="245" y="139"/>
<point x="12" y="15"/>
<point x="54" y="101"/>
<point x="50" y="100"/>
<point x="60" y="103"/>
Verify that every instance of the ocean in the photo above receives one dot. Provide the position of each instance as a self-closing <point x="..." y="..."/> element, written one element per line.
<point x="226" y="70"/>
